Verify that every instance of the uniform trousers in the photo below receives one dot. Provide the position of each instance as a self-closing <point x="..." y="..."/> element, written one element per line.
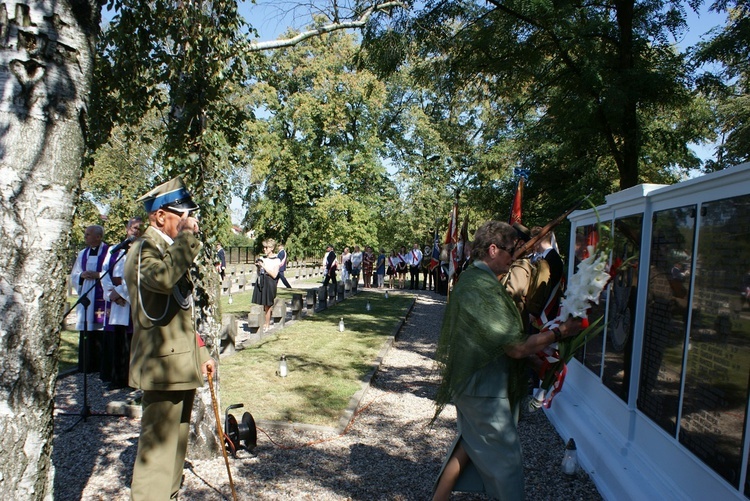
<point x="162" y="446"/>
<point x="413" y="277"/>
<point x="284" y="280"/>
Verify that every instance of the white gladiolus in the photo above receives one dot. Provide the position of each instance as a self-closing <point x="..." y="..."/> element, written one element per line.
<point x="584" y="287"/>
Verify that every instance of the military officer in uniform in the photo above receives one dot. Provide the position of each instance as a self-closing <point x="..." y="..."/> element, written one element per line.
<point x="167" y="359"/>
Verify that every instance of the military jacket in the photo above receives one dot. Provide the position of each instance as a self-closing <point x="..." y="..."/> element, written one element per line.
<point x="164" y="353"/>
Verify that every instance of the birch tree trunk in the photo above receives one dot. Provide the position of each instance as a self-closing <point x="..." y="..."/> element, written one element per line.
<point x="47" y="50"/>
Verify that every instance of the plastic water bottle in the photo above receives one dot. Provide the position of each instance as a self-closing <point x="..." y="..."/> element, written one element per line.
<point x="341" y="325"/>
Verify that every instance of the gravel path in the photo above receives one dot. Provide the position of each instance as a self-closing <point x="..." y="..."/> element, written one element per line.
<point x="388" y="453"/>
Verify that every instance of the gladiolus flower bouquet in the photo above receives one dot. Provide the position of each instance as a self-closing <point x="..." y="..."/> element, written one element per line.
<point x="585" y="287"/>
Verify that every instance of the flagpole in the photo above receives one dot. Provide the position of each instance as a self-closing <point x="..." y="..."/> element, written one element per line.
<point x="546" y="229"/>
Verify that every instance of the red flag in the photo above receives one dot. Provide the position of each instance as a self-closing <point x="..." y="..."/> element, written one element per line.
<point x="515" y="209"/>
<point x="451" y="234"/>
<point x="592" y="239"/>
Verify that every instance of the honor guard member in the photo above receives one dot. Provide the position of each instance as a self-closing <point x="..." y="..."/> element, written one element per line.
<point x="549" y="285"/>
<point x="415" y="259"/>
<point x="520" y="281"/>
<point x="167" y="359"/>
<point x="283" y="258"/>
<point x="330" y="265"/>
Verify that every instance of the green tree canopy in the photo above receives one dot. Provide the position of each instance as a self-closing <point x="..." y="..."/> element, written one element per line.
<point x="729" y="84"/>
<point x="581" y="90"/>
<point x="317" y="176"/>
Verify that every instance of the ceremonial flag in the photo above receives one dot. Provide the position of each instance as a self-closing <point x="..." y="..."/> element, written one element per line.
<point x="592" y="240"/>
<point x="515" y="209"/>
<point x="435" y="258"/>
<point x="451" y="238"/>
<point x="464" y="235"/>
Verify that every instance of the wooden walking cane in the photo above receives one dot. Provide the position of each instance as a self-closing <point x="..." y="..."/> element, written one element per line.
<point x="221" y="434"/>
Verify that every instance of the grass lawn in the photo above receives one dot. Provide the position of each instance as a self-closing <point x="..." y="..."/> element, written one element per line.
<point x="68" y="350"/>
<point x="326" y="367"/>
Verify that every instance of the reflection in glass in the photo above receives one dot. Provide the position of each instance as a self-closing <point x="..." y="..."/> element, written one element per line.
<point x="585" y="236"/>
<point x="593" y="354"/>
<point x="716" y="379"/>
<point x="665" y="327"/>
<point x="622" y="305"/>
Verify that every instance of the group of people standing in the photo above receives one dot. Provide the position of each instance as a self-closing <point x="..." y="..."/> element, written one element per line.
<point x="375" y="267"/>
<point x="103" y="313"/>
<point x="353" y="265"/>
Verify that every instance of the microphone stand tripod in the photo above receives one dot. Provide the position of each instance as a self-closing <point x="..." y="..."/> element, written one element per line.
<point x="84" y="301"/>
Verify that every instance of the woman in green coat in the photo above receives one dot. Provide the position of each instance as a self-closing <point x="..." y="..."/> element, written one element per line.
<point x="481" y="352"/>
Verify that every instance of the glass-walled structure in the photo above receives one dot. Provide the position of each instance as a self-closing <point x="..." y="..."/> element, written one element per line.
<point x="658" y="403"/>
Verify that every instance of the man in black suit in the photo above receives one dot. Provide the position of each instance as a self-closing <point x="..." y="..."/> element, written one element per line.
<point x="329" y="262"/>
<point x="283" y="259"/>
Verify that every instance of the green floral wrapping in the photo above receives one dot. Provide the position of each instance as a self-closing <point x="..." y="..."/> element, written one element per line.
<point x="480" y="319"/>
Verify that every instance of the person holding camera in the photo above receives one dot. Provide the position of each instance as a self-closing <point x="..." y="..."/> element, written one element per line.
<point x="264" y="292"/>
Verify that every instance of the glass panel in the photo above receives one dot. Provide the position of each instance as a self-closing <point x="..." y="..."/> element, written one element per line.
<point x="666" y="315"/>
<point x="622" y="304"/>
<point x="593" y="354"/>
<point x="718" y="361"/>
<point x="585" y="235"/>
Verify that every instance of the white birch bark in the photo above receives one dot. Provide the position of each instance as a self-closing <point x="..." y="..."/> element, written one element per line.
<point x="46" y="54"/>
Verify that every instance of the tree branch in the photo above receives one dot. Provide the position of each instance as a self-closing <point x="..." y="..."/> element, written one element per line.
<point x="328" y="28"/>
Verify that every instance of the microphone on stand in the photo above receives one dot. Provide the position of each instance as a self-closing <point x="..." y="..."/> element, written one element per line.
<point x="123" y="245"/>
